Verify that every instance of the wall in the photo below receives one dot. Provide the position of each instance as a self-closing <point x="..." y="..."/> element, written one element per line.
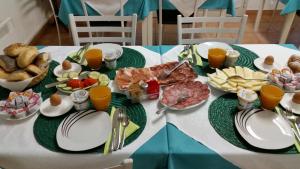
<point x="254" y="4"/>
<point x="27" y="18"/>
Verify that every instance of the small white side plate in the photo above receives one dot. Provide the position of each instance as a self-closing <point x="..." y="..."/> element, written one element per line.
<point x="287" y="103"/>
<point x="203" y="47"/>
<point x="48" y="110"/>
<point x="264" y="129"/>
<point x="259" y="63"/>
<point x="88" y="130"/>
<point x="58" y="70"/>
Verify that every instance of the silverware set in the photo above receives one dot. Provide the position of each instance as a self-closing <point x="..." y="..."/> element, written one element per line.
<point x="80" y="51"/>
<point x="119" y="124"/>
<point x="292" y="120"/>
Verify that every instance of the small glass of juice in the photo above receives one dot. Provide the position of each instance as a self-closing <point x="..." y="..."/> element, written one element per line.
<point x="100" y="97"/>
<point x="93" y="58"/>
<point x="216" y="57"/>
<point x="270" y="96"/>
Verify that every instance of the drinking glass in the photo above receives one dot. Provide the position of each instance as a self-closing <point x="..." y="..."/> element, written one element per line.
<point x="93" y="58"/>
<point x="216" y="57"/>
<point x="270" y="96"/>
<point x="100" y="97"/>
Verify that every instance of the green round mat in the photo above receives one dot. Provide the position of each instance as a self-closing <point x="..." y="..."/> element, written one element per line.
<point x="129" y="58"/>
<point x="221" y="116"/>
<point x="39" y="87"/>
<point x="45" y="128"/>
<point x="245" y="60"/>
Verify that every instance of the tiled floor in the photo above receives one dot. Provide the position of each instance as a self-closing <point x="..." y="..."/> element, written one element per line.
<point x="266" y="33"/>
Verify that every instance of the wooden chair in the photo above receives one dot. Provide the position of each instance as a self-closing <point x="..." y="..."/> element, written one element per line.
<point x="236" y="34"/>
<point x="56" y="21"/>
<point x="77" y="27"/>
<point x="126" y="164"/>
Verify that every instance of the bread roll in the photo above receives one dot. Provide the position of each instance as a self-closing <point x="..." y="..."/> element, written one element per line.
<point x="18" y="75"/>
<point x="15" y="49"/>
<point x="42" y="60"/>
<point x="3" y="74"/>
<point x="33" y="69"/>
<point x="27" y="57"/>
<point x="294" y="66"/>
<point x="8" y="63"/>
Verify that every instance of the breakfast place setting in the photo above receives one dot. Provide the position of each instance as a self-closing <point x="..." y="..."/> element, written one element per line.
<point x="107" y="98"/>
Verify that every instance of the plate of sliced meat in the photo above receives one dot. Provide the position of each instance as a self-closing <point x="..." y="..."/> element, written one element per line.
<point x="183" y="73"/>
<point x="185" y="95"/>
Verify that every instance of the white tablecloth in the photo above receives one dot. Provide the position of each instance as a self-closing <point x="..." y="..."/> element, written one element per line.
<point x="192" y="121"/>
<point x="106" y="7"/>
<point x="187" y="7"/>
<point x="19" y="149"/>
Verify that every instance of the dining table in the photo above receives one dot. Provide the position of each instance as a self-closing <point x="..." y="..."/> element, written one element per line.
<point x="144" y="9"/>
<point x="201" y="137"/>
<point x="289" y="12"/>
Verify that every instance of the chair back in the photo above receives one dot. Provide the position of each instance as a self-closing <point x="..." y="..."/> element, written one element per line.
<point x="83" y="33"/>
<point x="221" y="33"/>
<point x="126" y="164"/>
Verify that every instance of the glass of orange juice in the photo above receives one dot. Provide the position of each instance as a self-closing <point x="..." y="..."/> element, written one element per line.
<point x="93" y="58"/>
<point x="100" y="97"/>
<point x="216" y="57"/>
<point x="270" y="96"/>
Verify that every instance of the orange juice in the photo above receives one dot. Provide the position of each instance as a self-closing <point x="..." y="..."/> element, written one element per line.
<point x="94" y="58"/>
<point x="216" y="57"/>
<point x="270" y="96"/>
<point x="100" y="97"/>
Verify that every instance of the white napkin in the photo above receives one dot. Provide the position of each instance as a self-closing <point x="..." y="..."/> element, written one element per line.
<point x="186" y="7"/>
<point x="106" y="7"/>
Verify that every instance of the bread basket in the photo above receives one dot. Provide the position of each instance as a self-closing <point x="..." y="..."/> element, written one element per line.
<point x="22" y="85"/>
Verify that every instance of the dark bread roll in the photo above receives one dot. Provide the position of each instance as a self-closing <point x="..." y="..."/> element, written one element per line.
<point x="8" y="63"/>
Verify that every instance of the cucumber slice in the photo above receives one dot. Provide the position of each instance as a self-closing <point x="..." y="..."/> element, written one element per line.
<point x="65" y="75"/>
<point x="62" y="85"/>
<point x="94" y="75"/>
<point x="103" y="80"/>
<point x="67" y="88"/>
<point x="198" y="56"/>
<point x="73" y="74"/>
<point x="61" y="79"/>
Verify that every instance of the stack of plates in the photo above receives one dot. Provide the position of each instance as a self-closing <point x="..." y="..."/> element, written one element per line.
<point x="264" y="129"/>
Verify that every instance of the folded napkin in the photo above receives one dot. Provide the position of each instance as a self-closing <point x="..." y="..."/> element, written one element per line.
<point x="130" y="129"/>
<point x="188" y="54"/>
<point x="106" y="7"/>
<point x="186" y="7"/>
<point x="296" y="142"/>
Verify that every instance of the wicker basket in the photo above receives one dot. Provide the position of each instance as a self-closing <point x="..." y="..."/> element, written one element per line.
<point x="37" y="79"/>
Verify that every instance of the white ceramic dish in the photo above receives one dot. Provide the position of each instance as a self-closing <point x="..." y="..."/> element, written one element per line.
<point x="48" y="110"/>
<point x="203" y="47"/>
<point x="259" y="63"/>
<point x="264" y="129"/>
<point x="287" y="103"/>
<point x="84" y="130"/>
<point x="108" y="47"/>
<point x="58" y="70"/>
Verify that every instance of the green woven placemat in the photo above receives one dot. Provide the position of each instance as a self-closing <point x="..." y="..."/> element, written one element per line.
<point x="129" y="58"/>
<point x="221" y="116"/>
<point x="245" y="60"/>
<point x="45" y="128"/>
<point x="39" y="87"/>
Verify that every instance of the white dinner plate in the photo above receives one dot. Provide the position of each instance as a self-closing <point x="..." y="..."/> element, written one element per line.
<point x="287" y="103"/>
<point x="259" y="63"/>
<point x="108" y="47"/>
<point x="48" y="110"/>
<point x="83" y="130"/>
<point x="58" y="70"/>
<point x="203" y="47"/>
<point x="264" y="129"/>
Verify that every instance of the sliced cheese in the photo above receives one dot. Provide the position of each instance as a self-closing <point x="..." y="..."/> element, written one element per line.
<point x="221" y="74"/>
<point x="229" y="71"/>
<point x="239" y="71"/>
<point x="237" y="80"/>
<point x="254" y="83"/>
<point x="226" y="86"/>
<point x="217" y="80"/>
<point x="248" y="73"/>
<point x="255" y="88"/>
<point x="214" y="84"/>
<point x="233" y="84"/>
<point x="259" y="75"/>
<point x="245" y="85"/>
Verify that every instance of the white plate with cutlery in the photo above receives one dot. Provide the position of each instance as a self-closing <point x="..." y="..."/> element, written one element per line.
<point x="264" y="129"/>
<point x="84" y="130"/>
<point x="203" y="47"/>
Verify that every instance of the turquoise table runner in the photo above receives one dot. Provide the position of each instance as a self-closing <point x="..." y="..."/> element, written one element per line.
<point x="290" y="6"/>
<point x="141" y="7"/>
